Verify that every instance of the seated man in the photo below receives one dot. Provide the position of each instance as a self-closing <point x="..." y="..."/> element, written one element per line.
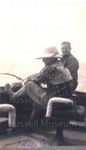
<point x="57" y="78"/>
<point x="70" y="61"/>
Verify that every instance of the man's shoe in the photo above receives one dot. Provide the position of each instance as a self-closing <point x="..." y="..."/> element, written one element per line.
<point x="8" y="89"/>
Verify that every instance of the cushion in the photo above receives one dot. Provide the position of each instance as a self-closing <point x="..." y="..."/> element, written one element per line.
<point x="77" y="115"/>
<point x="3" y="124"/>
<point x="11" y="113"/>
<point x="58" y="104"/>
<point x="74" y="113"/>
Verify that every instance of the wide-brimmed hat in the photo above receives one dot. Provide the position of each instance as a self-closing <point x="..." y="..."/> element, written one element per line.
<point x="50" y="52"/>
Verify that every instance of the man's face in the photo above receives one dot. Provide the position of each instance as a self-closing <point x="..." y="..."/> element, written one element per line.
<point x="65" y="49"/>
<point x="46" y="61"/>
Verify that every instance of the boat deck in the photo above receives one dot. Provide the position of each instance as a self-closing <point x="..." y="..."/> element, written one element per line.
<point x="39" y="137"/>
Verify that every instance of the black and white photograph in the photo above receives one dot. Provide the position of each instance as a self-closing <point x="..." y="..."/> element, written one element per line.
<point x="43" y="74"/>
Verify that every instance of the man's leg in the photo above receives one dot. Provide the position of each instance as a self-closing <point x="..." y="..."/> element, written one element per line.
<point x="14" y="95"/>
<point x="16" y="86"/>
<point x="20" y="100"/>
<point x="37" y="94"/>
<point x="40" y="98"/>
<point x="34" y="91"/>
<point x="37" y="111"/>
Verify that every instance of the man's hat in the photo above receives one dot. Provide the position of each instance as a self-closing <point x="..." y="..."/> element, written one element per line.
<point x="50" y="52"/>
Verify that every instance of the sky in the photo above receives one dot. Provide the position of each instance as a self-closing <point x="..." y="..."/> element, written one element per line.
<point x="28" y="26"/>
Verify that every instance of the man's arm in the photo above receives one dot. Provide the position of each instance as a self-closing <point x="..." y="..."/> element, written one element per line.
<point x="46" y="74"/>
<point x="73" y="65"/>
<point x="30" y="78"/>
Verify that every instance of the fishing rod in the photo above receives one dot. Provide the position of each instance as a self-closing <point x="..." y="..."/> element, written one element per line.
<point x="19" y="78"/>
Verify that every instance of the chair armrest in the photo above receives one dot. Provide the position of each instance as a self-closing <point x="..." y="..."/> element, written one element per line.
<point x="11" y="114"/>
<point x="67" y="103"/>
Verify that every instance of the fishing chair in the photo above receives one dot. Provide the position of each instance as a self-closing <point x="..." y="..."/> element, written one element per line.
<point x="7" y="113"/>
<point x="62" y="111"/>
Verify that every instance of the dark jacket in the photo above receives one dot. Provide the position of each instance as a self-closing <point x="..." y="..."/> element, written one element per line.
<point x="72" y="64"/>
<point x="51" y="73"/>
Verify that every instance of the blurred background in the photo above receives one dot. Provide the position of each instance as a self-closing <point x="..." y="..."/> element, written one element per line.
<point x="28" y="26"/>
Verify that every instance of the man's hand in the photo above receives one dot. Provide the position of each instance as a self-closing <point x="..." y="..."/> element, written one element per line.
<point x="43" y="85"/>
<point x="24" y="82"/>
